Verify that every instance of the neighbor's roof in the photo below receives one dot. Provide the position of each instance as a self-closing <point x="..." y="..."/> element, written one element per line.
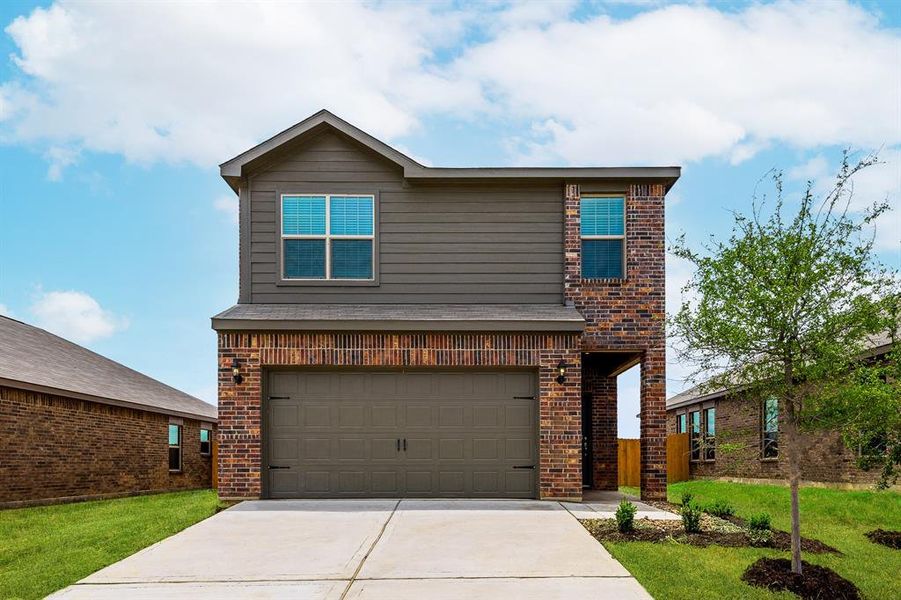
<point x="236" y="168"/>
<point x="395" y="317"/>
<point x="879" y="344"/>
<point x="31" y="358"/>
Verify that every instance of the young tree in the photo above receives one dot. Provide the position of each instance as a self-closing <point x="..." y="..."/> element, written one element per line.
<point x="786" y="303"/>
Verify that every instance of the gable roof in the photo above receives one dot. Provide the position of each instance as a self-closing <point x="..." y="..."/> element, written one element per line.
<point x="35" y="359"/>
<point x="234" y="169"/>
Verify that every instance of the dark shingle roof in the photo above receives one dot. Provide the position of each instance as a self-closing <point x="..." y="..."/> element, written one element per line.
<point x="403" y="317"/>
<point x="40" y="360"/>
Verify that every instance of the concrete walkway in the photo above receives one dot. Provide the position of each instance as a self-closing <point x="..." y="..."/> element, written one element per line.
<point x="374" y="549"/>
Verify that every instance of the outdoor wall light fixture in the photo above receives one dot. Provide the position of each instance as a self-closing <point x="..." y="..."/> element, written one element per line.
<point x="236" y="371"/>
<point x="561" y="372"/>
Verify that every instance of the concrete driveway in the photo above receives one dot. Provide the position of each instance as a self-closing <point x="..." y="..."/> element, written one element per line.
<point x="372" y="549"/>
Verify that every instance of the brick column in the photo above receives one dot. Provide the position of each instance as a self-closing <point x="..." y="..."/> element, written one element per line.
<point x="239" y="433"/>
<point x="653" y="424"/>
<point x="572" y="241"/>
<point x="603" y="428"/>
<point x="560" y="444"/>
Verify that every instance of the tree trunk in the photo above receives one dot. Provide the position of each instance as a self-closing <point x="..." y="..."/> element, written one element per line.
<point x="793" y="453"/>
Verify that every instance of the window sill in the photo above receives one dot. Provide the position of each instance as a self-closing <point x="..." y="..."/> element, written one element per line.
<point x="771" y="459"/>
<point x="327" y="282"/>
<point x="605" y="280"/>
<point x="175" y="472"/>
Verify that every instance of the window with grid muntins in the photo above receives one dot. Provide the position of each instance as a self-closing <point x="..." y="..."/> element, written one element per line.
<point x="328" y="237"/>
<point x="603" y="232"/>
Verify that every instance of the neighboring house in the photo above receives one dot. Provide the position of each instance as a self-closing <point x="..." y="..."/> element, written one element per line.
<point x="76" y="426"/>
<point x="732" y="436"/>
<point x="404" y="330"/>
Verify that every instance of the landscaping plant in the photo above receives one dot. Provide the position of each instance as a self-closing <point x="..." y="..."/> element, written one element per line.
<point x="686" y="498"/>
<point x="785" y="308"/>
<point x="625" y="516"/>
<point x="691" y="518"/>
<point x="720" y="508"/>
<point x="760" y="532"/>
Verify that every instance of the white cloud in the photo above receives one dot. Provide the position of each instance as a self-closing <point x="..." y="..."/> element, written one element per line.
<point x="228" y="204"/>
<point x="75" y="316"/>
<point x="6" y="311"/>
<point x="682" y="83"/>
<point x="200" y="82"/>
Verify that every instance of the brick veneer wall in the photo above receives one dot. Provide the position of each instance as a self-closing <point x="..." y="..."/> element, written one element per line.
<point x="240" y="436"/>
<point x="54" y="448"/>
<point x="602" y="389"/>
<point x="628" y="315"/>
<point x="824" y="457"/>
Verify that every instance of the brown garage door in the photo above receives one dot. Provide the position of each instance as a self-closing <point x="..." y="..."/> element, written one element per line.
<point x="391" y="434"/>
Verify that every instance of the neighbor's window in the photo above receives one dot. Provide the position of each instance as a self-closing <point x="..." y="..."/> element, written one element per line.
<point x="174" y="447"/>
<point x="206" y="441"/>
<point x="603" y="227"/>
<point x="680" y="423"/>
<point x="328" y="237"/>
<point x="709" y="433"/>
<point x="770" y="428"/>
<point x="694" y="434"/>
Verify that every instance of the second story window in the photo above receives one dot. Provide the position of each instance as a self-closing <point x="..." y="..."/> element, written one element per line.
<point x="328" y="237"/>
<point x="603" y="230"/>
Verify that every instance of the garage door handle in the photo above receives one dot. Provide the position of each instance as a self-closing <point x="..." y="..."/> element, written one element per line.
<point x="405" y="444"/>
<point x="278" y="467"/>
<point x="524" y="466"/>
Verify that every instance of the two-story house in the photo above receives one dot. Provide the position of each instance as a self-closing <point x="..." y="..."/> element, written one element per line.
<point x="404" y="330"/>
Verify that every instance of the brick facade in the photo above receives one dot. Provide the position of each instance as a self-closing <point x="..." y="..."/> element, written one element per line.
<point x="54" y="448"/>
<point x="601" y="390"/>
<point x="628" y="315"/>
<point x="824" y="457"/>
<point x="560" y="419"/>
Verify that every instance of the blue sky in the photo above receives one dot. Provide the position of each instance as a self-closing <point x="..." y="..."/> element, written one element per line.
<point x="117" y="231"/>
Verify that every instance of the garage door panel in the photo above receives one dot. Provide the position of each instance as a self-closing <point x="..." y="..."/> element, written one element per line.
<point x="337" y="434"/>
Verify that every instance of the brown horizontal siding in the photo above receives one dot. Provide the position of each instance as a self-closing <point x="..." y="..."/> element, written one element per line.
<point x="465" y="243"/>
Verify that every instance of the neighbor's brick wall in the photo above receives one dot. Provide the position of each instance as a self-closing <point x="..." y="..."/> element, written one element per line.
<point x="602" y="390"/>
<point x="240" y="437"/>
<point x="825" y="458"/>
<point x="53" y="447"/>
<point x="627" y="315"/>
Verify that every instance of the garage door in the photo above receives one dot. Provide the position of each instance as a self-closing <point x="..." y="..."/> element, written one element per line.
<point x="333" y="434"/>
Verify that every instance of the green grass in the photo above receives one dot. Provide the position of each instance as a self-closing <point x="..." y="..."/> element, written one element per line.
<point x="46" y="548"/>
<point x="837" y="517"/>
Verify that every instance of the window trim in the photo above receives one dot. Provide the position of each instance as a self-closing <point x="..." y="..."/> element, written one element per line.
<point x="604" y="237"/>
<point x="180" y="446"/>
<point x="209" y="431"/>
<point x="328" y="191"/>
<point x="695" y="410"/>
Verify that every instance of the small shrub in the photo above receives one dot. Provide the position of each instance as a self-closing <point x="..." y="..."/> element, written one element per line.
<point x="691" y="518"/>
<point x="760" y="522"/>
<point x="721" y="509"/>
<point x="687" y="498"/>
<point x="759" y="530"/>
<point x="625" y="516"/>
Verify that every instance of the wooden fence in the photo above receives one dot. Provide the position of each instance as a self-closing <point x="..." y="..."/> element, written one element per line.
<point x="676" y="460"/>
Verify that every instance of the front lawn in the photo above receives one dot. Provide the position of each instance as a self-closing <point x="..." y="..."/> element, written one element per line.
<point x="837" y="517"/>
<point x="45" y="548"/>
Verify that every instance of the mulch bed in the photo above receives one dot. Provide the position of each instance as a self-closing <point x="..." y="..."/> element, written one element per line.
<point x="892" y="539"/>
<point x="714" y="532"/>
<point x="815" y="583"/>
